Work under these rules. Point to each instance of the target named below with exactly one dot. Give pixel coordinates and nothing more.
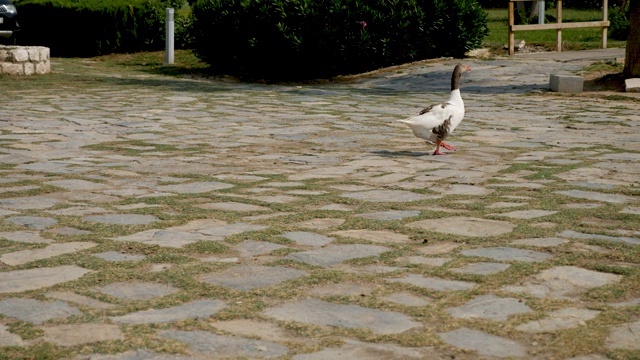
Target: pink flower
(363, 24)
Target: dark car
(9, 26)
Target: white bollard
(168, 58)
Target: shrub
(88, 28)
(620, 25)
(282, 39)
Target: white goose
(437, 121)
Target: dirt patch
(603, 81)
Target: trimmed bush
(88, 28)
(294, 39)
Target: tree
(632, 56)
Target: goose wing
(433, 116)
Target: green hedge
(88, 28)
(287, 39)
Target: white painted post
(168, 59)
(540, 11)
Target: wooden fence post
(559, 29)
(511, 23)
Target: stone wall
(24, 60)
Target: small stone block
(565, 83)
(632, 85)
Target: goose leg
(447, 146)
(437, 152)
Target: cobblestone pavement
(164, 218)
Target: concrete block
(632, 85)
(566, 83)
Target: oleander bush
(96, 27)
(295, 39)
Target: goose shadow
(400, 153)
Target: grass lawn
(573, 39)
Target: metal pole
(168, 59)
(540, 11)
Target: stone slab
(335, 207)
(27, 203)
(119, 256)
(223, 231)
(194, 187)
(377, 236)
(9, 339)
(489, 307)
(465, 226)
(541, 242)
(206, 343)
(342, 289)
(33, 222)
(319, 312)
(508, 254)
(35, 311)
(249, 277)
(321, 223)
(122, 219)
(427, 261)
(597, 196)
(526, 214)
(433, 283)
(233, 206)
(390, 215)
(260, 330)
(559, 320)
(482, 268)
(388, 196)
(79, 299)
(28, 237)
(578, 235)
(438, 248)
(563, 282)
(407, 299)
(168, 238)
(625, 337)
(199, 309)
(137, 290)
(78, 334)
(32, 279)
(77, 185)
(357, 350)
(249, 248)
(142, 355)
(52, 250)
(484, 344)
(336, 254)
(307, 238)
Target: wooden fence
(604, 24)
